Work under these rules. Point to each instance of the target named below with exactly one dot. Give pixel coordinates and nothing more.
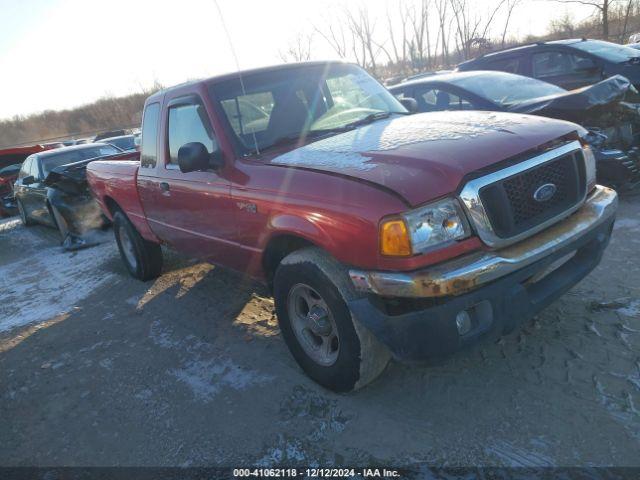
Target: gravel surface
(97, 368)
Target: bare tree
(602, 7)
(335, 36)
(562, 27)
(419, 44)
(362, 30)
(299, 49)
(627, 12)
(443, 30)
(510, 6)
(471, 27)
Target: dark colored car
(8, 175)
(381, 233)
(112, 133)
(126, 143)
(51, 190)
(9, 157)
(613, 124)
(569, 64)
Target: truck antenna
(235, 57)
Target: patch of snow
(9, 224)
(629, 223)
(47, 282)
(631, 310)
(206, 378)
(162, 337)
(145, 394)
(289, 451)
(512, 456)
(349, 150)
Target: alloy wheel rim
(127, 247)
(313, 324)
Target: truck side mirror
(409, 103)
(28, 180)
(193, 157)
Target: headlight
(423, 228)
(589, 166)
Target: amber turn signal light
(394, 238)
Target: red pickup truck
(381, 233)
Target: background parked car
(112, 133)
(600, 108)
(126, 143)
(51, 190)
(8, 175)
(567, 63)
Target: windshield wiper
(372, 117)
(315, 134)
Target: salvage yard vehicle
(613, 123)
(380, 233)
(126, 143)
(8, 175)
(51, 189)
(9, 158)
(569, 64)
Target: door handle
(166, 190)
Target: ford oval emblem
(545, 192)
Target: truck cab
(380, 233)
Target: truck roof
(233, 75)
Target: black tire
(360, 358)
(24, 218)
(142, 258)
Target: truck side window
(149, 142)
(189, 123)
(24, 169)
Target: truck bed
(114, 185)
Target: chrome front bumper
(471, 271)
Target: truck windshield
(505, 89)
(285, 105)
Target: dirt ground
(97, 368)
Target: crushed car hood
(425, 156)
(72, 177)
(573, 104)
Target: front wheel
(311, 291)
(142, 258)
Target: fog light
(463, 322)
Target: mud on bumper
(421, 324)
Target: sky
(57, 54)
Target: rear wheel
(24, 218)
(142, 258)
(311, 291)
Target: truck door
(189, 211)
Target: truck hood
(425, 156)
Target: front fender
(308, 227)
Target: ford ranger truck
(380, 233)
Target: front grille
(510, 204)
